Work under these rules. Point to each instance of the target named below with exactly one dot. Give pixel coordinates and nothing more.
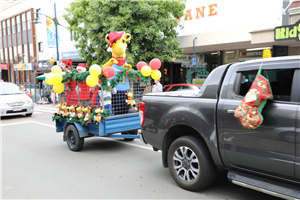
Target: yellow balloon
(52, 60)
(95, 70)
(92, 81)
(56, 69)
(146, 71)
(57, 78)
(58, 88)
(155, 74)
(49, 79)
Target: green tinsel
(134, 75)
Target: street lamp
(36, 21)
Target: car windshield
(10, 89)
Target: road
(37, 164)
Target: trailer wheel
(75, 143)
(190, 163)
(135, 132)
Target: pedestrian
(53, 96)
(157, 87)
(147, 89)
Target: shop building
(26, 48)
(219, 32)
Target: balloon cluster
(55, 79)
(152, 69)
(95, 70)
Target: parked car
(198, 132)
(13, 101)
(181, 87)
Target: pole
(56, 34)
(194, 46)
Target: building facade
(215, 32)
(25, 47)
(219, 32)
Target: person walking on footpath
(53, 96)
(157, 87)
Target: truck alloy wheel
(190, 163)
(75, 143)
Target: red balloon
(109, 72)
(155, 64)
(140, 65)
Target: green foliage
(151, 24)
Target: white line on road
(135, 145)
(45, 110)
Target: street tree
(152, 26)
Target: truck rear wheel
(190, 163)
(75, 143)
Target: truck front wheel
(75, 143)
(190, 163)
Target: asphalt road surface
(37, 164)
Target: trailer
(126, 126)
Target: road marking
(107, 138)
(49, 111)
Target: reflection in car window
(10, 89)
(175, 88)
(165, 88)
(280, 81)
(185, 88)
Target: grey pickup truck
(197, 131)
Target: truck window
(280, 81)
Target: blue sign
(193, 61)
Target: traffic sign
(193, 61)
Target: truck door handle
(230, 111)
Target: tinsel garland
(132, 74)
(105, 113)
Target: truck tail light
(142, 113)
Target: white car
(13, 101)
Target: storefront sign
(3, 66)
(251, 54)
(28, 66)
(184, 58)
(43, 65)
(290, 32)
(70, 55)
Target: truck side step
(270, 187)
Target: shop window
(28, 15)
(23, 22)
(3, 29)
(8, 27)
(31, 59)
(18, 24)
(12, 25)
(280, 81)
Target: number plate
(17, 109)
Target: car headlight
(3, 105)
(28, 101)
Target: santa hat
(81, 66)
(113, 36)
